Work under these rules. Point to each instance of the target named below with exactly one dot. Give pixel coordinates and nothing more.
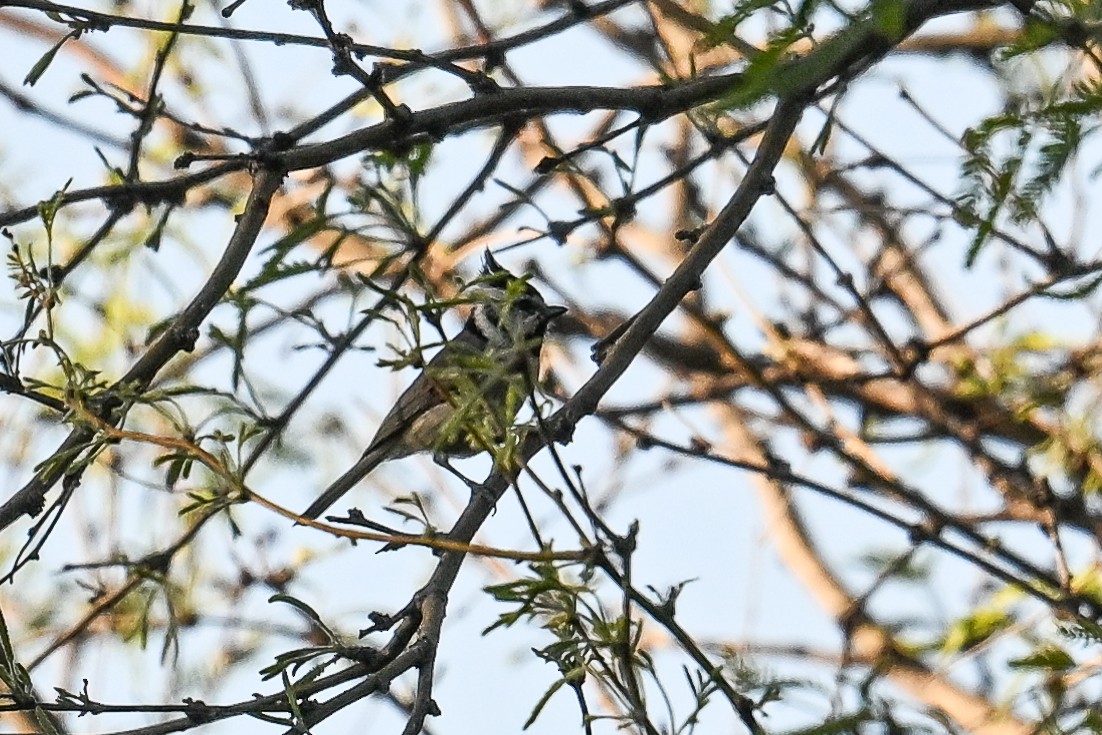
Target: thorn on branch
(561, 431)
(916, 351)
(625, 545)
(122, 199)
(483, 83)
(342, 66)
(230, 9)
(559, 230)
(379, 622)
(156, 564)
(198, 711)
(547, 164)
(927, 530)
(580, 9)
(185, 337)
(401, 115)
(601, 348)
(689, 236)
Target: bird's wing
(424, 392)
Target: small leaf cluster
(1014, 159)
(593, 645)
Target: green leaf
(309, 612)
(1074, 294)
(417, 160)
(47, 209)
(767, 73)
(555, 686)
(277, 267)
(844, 724)
(1049, 658)
(974, 629)
(724, 28)
(1034, 35)
(47, 58)
(1082, 630)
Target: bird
(468, 394)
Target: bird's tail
(345, 482)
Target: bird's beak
(554, 312)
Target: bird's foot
(478, 489)
(444, 461)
